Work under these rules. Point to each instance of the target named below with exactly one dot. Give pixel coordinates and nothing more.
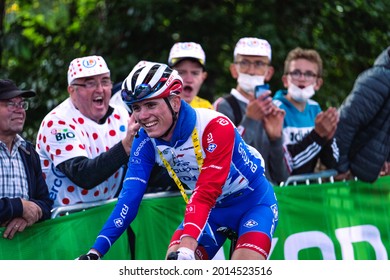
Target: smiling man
(202, 149)
(84, 143)
(24, 199)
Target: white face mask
(249, 82)
(301, 95)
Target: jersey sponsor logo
(135, 160)
(275, 211)
(211, 147)
(223, 121)
(136, 152)
(55, 186)
(210, 138)
(118, 222)
(250, 223)
(56, 171)
(251, 164)
(62, 134)
(134, 179)
(190, 209)
(254, 247)
(212, 166)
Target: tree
(39, 38)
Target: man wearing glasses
(257, 119)
(84, 143)
(24, 197)
(307, 131)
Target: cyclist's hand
(172, 256)
(91, 255)
(184, 253)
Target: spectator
(202, 148)
(363, 133)
(257, 119)
(24, 196)
(189, 59)
(308, 132)
(84, 143)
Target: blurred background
(39, 38)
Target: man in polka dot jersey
(84, 143)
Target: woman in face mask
(307, 131)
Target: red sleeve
(217, 142)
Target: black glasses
(94, 84)
(140, 92)
(308, 76)
(245, 64)
(12, 106)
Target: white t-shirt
(64, 134)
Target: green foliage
(40, 37)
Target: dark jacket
(37, 189)
(363, 133)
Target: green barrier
(329, 221)
(63, 238)
(333, 221)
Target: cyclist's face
(155, 116)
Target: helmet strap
(174, 117)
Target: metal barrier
(308, 178)
(293, 180)
(66, 210)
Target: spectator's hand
(132, 130)
(326, 123)
(385, 169)
(273, 123)
(15, 225)
(344, 176)
(32, 213)
(258, 108)
(92, 255)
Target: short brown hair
(308, 54)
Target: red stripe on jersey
(217, 143)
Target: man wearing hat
(84, 143)
(189, 59)
(24, 197)
(257, 119)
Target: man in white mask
(257, 119)
(307, 131)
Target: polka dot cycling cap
(253, 46)
(86, 67)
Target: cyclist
(201, 148)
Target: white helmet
(150, 80)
